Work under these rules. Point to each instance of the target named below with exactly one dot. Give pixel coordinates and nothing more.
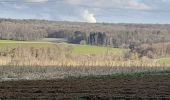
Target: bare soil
(103, 88)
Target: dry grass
(63, 56)
(60, 62)
(57, 72)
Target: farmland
(78, 72)
(77, 49)
(12, 44)
(80, 60)
(101, 88)
(72, 60)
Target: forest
(150, 40)
(115, 35)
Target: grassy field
(77, 49)
(20, 42)
(86, 49)
(12, 43)
(74, 54)
(32, 63)
(164, 60)
(60, 72)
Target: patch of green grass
(134, 74)
(13, 43)
(164, 60)
(88, 49)
(20, 42)
(1, 41)
(142, 74)
(77, 49)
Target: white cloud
(88, 17)
(35, 0)
(136, 5)
(164, 0)
(89, 10)
(125, 4)
(19, 1)
(19, 6)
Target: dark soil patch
(103, 88)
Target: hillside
(116, 35)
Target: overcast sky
(112, 11)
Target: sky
(91, 11)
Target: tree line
(105, 34)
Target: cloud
(88, 17)
(88, 10)
(19, 6)
(35, 1)
(164, 0)
(136, 5)
(18, 1)
(120, 4)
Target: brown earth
(104, 88)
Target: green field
(164, 60)
(77, 49)
(86, 49)
(12, 43)
(20, 42)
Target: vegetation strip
(135, 74)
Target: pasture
(38, 60)
(164, 60)
(88, 49)
(12, 44)
(72, 54)
(76, 48)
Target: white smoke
(88, 17)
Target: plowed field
(103, 88)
